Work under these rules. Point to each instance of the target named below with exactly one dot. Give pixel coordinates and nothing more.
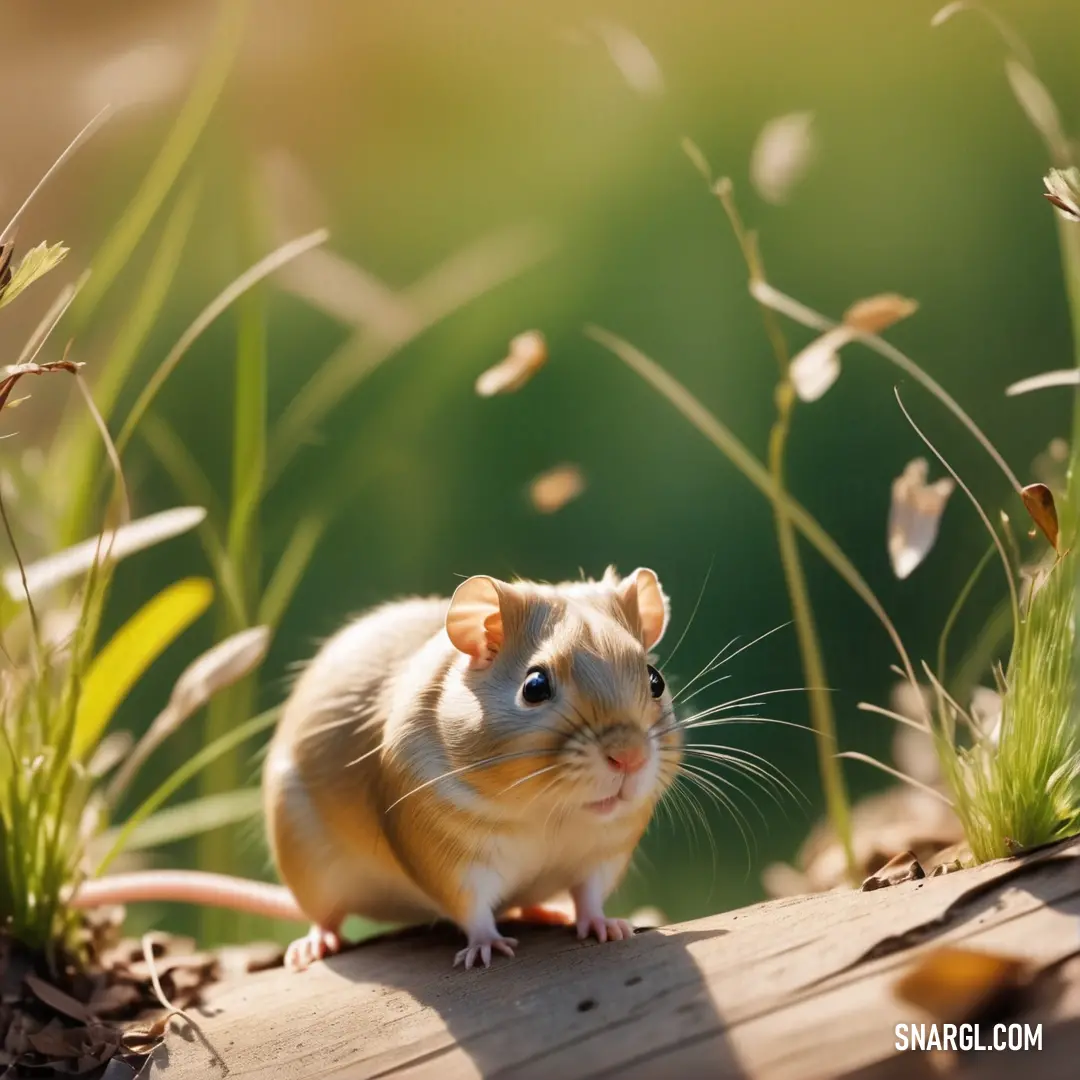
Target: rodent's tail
(190, 887)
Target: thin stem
(821, 712)
(954, 613)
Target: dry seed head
(632, 57)
(552, 490)
(877, 313)
(226, 663)
(782, 155)
(528, 354)
(914, 515)
(1063, 190)
(817, 367)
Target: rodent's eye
(656, 682)
(537, 686)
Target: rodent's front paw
(480, 945)
(604, 929)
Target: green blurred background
(423, 126)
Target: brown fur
(391, 702)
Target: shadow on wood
(799, 988)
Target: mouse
(460, 759)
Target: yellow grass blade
(132, 649)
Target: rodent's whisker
(756, 766)
(682, 800)
(496, 759)
(530, 776)
(705, 782)
(717, 662)
(745, 701)
(702, 720)
(742, 768)
(718, 778)
(709, 666)
(678, 699)
(693, 614)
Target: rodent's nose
(627, 759)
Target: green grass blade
(186, 473)
(958, 606)
(290, 568)
(175, 152)
(186, 772)
(78, 461)
(221, 303)
(249, 440)
(188, 819)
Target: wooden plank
(796, 989)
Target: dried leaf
(900, 868)
(135, 536)
(956, 985)
(1063, 190)
(782, 155)
(57, 999)
(528, 354)
(914, 515)
(35, 264)
(1039, 500)
(552, 490)
(1037, 103)
(7, 249)
(1066, 377)
(12, 373)
(817, 366)
(630, 55)
(877, 313)
(118, 1069)
(944, 868)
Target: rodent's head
(573, 716)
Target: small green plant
(59, 692)
(1013, 779)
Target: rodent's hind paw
(317, 944)
(481, 946)
(604, 929)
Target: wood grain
(795, 989)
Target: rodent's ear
(474, 621)
(644, 601)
